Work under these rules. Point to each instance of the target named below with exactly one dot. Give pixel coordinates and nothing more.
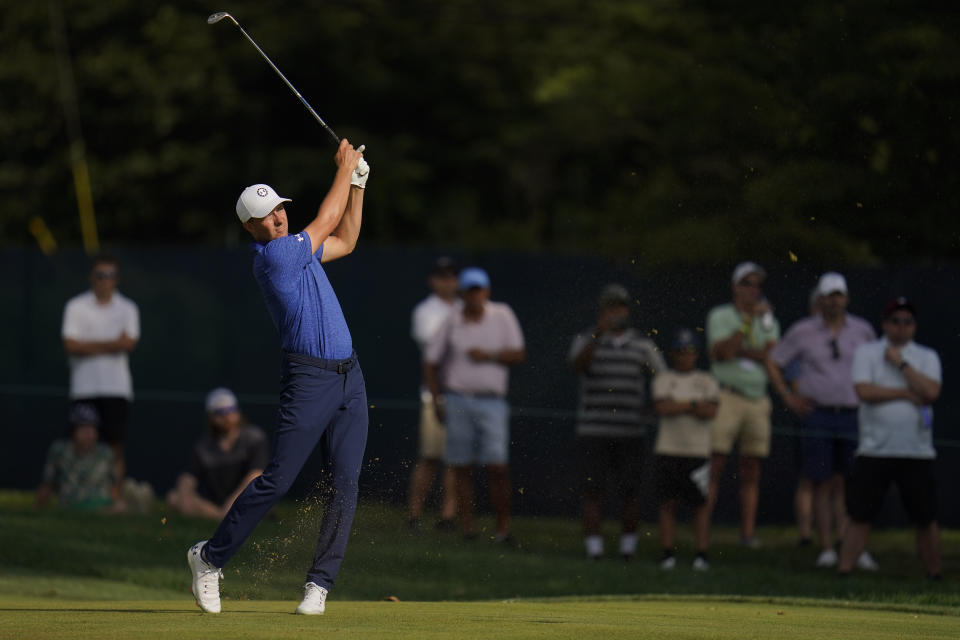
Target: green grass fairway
(564, 618)
(82, 575)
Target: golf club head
(218, 16)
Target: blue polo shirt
(300, 299)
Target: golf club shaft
(279, 73)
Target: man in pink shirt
(466, 369)
(826, 403)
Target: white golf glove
(360, 174)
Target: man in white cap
(223, 462)
(739, 336)
(323, 395)
(826, 403)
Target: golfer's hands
(360, 174)
(347, 157)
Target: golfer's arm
(343, 240)
(331, 210)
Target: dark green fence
(204, 325)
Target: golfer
(323, 397)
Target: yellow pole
(40, 231)
(81, 184)
(71, 111)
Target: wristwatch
(903, 365)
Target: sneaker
(314, 600)
(827, 558)
(206, 580)
(700, 564)
(669, 563)
(866, 562)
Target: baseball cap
(831, 282)
(685, 338)
(221, 399)
(744, 269)
(443, 266)
(614, 294)
(84, 413)
(474, 277)
(257, 201)
(899, 304)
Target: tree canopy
(654, 130)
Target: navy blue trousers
(321, 402)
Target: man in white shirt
(100, 329)
(426, 319)
(896, 380)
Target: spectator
(427, 317)
(739, 336)
(223, 462)
(466, 369)
(897, 380)
(803, 496)
(100, 329)
(616, 364)
(826, 403)
(79, 470)
(686, 400)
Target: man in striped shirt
(616, 364)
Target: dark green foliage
(668, 131)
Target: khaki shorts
(742, 420)
(433, 437)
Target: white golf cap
(831, 282)
(220, 399)
(746, 268)
(257, 201)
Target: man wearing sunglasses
(825, 402)
(897, 380)
(739, 337)
(101, 327)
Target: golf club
(220, 15)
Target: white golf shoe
(827, 558)
(314, 600)
(866, 562)
(206, 580)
